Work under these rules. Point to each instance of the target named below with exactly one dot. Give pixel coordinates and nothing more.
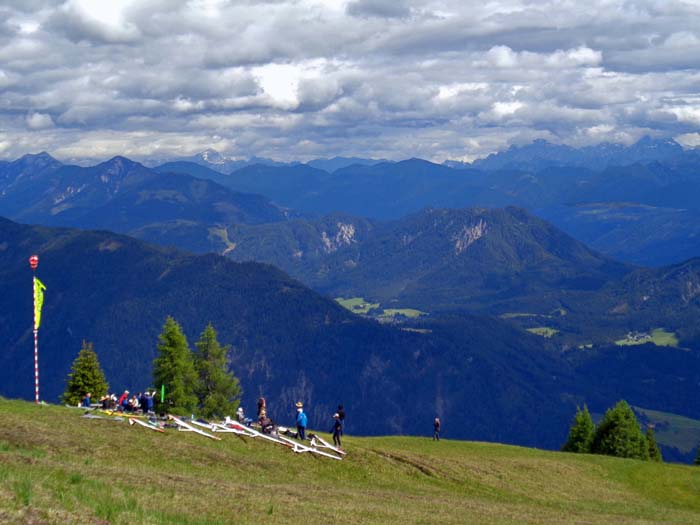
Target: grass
(673, 430)
(516, 315)
(356, 304)
(137, 476)
(407, 312)
(658, 336)
(544, 331)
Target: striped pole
(33, 263)
(36, 366)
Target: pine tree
(174, 368)
(218, 388)
(654, 451)
(619, 434)
(85, 376)
(580, 433)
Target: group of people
(141, 403)
(267, 425)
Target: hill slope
(92, 471)
(291, 343)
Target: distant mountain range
(220, 163)
(542, 154)
(496, 262)
(559, 183)
(125, 196)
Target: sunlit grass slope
(56, 467)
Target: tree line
(192, 382)
(618, 434)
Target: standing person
(149, 402)
(262, 406)
(436, 429)
(301, 421)
(341, 417)
(337, 430)
(87, 400)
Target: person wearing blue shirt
(301, 421)
(87, 400)
(149, 401)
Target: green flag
(162, 393)
(38, 301)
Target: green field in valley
(658, 336)
(356, 304)
(359, 305)
(544, 331)
(673, 430)
(406, 312)
(59, 468)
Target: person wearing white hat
(301, 421)
(337, 430)
(240, 417)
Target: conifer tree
(654, 451)
(218, 389)
(580, 433)
(85, 376)
(619, 434)
(174, 368)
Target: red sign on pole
(34, 262)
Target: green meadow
(544, 331)
(658, 336)
(59, 468)
(356, 304)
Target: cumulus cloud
(378, 8)
(292, 79)
(39, 121)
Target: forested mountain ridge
(125, 196)
(438, 258)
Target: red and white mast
(34, 263)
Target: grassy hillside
(56, 467)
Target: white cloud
(39, 121)
(688, 114)
(691, 140)
(106, 21)
(281, 78)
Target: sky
(303, 79)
